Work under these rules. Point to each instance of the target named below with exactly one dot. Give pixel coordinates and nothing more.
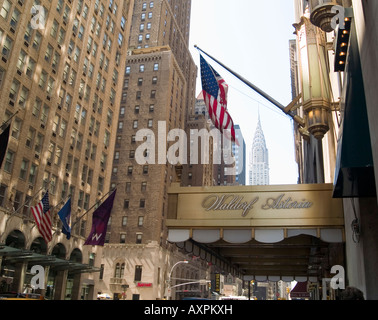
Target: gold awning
(276, 231)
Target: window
(30, 138)
(135, 124)
(142, 203)
(122, 238)
(21, 61)
(38, 38)
(140, 221)
(141, 68)
(24, 169)
(32, 173)
(3, 190)
(31, 67)
(138, 273)
(42, 79)
(138, 238)
(156, 67)
(16, 128)
(9, 161)
(7, 47)
(124, 221)
(123, 23)
(15, 18)
(5, 9)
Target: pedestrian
(352, 293)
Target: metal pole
(77, 220)
(170, 275)
(251, 85)
(5, 124)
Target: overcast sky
(252, 38)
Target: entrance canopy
(13, 256)
(265, 231)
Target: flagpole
(61, 200)
(77, 220)
(258, 90)
(27, 201)
(23, 205)
(4, 125)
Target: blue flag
(65, 215)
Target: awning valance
(235, 236)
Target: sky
(251, 37)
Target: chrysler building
(259, 160)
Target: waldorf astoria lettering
(228, 202)
(285, 203)
(232, 202)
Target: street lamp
(170, 275)
(316, 94)
(321, 13)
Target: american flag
(214, 90)
(42, 217)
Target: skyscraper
(158, 92)
(259, 159)
(61, 69)
(240, 155)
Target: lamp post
(169, 293)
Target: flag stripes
(214, 90)
(42, 216)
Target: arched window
(122, 270)
(117, 272)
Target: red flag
(42, 216)
(214, 90)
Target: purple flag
(100, 222)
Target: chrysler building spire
(259, 160)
